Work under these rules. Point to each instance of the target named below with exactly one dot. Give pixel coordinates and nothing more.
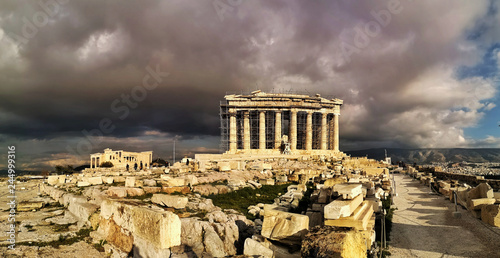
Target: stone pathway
(424, 226)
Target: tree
(68, 169)
(106, 164)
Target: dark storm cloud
(399, 86)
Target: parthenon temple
(275, 123)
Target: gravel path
(424, 226)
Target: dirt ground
(424, 226)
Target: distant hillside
(426, 156)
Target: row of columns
(334, 135)
(94, 162)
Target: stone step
(358, 220)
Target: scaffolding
(224, 126)
(239, 129)
(254, 129)
(316, 131)
(301, 130)
(270, 129)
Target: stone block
(284, 226)
(358, 220)
(95, 180)
(175, 189)
(268, 181)
(342, 207)
(53, 180)
(476, 204)
(130, 182)
(223, 166)
(82, 184)
(133, 191)
(152, 189)
(108, 180)
(483, 190)
(176, 182)
(255, 248)
(161, 229)
(348, 191)
(491, 214)
(333, 242)
(29, 206)
(324, 195)
(174, 201)
(62, 179)
(120, 192)
(497, 197)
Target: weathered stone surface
(334, 181)
(162, 229)
(29, 206)
(268, 181)
(132, 191)
(192, 234)
(255, 248)
(152, 189)
(130, 182)
(342, 208)
(174, 201)
(95, 180)
(476, 204)
(149, 182)
(82, 184)
(114, 234)
(120, 192)
(206, 189)
(175, 189)
(283, 226)
(491, 214)
(81, 208)
(62, 179)
(483, 190)
(108, 180)
(53, 180)
(348, 191)
(326, 242)
(359, 219)
(223, 166)
(176, 182)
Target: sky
(80, 76)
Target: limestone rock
(342, 208)
(173, 201)
(95, 180)
(348, 191)
(130, 182)
(491, 214)
(119, 192)
(326, 242)
(283, 226)
(161, 229)
(152, 189)
(135, 191)
(53, 180)
(149, 182)
(255, 248)
(82, 184)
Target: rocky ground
(424, 226)
(42, 226)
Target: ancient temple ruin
(275, 123)
(121, 159)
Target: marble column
(324, 129)
(293, 129)
(232, 132)
(277, 131)
(309, 132)
(246, 130)
(262, 130)
(336, 132)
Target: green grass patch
(240, 200)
